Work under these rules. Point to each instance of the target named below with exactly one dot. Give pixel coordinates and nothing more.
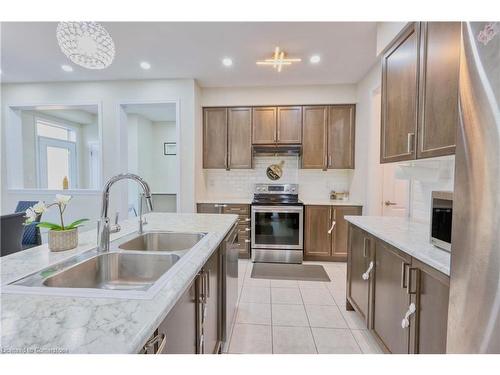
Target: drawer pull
(366, 275)
(247, 229)
(405, 323)
(247, 241)
(331, 228)
(247, 219)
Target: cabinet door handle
(161, 338)
(405, 323)
(410, 286)
(247, 229)
(201, 296)
(410, 142)
(247, 241)
(202, 342)
(366, 275)
(330, 161)
(207, 284)
(247, 219)
(365, 247)
(331, 228)
(404, 266)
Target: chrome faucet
(104, 228)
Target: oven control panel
(276, 189)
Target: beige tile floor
(303, 317)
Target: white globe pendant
(87, 44)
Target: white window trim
(43, 143)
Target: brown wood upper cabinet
(340, 132)
(314, 145)
(400, 97)
(420, 92)
(227, 138)
(264, 125)
(281, 125)
(439, 56)
(325, 232)
(215, 138)
(328, 137)
(239, 129)
(289, 128)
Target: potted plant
(61, 236)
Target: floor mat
(304, 272)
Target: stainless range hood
(277, 149)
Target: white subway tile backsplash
(239, 183)
(421, 189)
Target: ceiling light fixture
(145, 65)
(226, 61)
(67, 68)
(87, 44)
(315, 59)
(278, 60)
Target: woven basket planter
(60, 240)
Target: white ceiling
(153, 112)
(194, 50)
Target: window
(56, 155)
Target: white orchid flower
(63, 199)
(39, 207)
(30, 216)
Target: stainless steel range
(277, 224)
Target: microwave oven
(441, 217)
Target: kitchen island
(46, 323)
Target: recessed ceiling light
(315, 59)
(145, 65)
(226, 61)
(67, 68)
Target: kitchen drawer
(242, 225)
(237, 209)
(244, 220)
(244, 246)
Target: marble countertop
(226, 200)
(330, 202)
(306, 201)
(409, 236)
(45, 323)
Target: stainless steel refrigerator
(474, 312)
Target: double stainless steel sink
(132, 264)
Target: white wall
(110, 94)
(429, 175)
(282, 95)
(386, 32)
(367, 178)
(165, 180)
